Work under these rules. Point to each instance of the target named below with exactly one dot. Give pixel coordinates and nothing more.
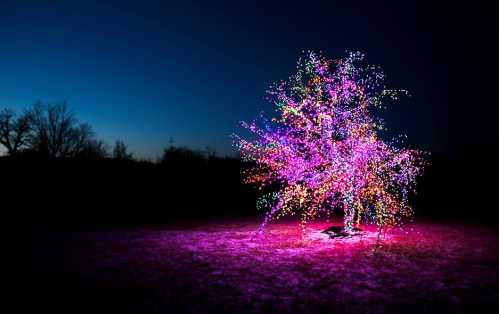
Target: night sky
(148, 71)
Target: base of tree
(341, 232)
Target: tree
(178, 155)
(94, 149)
(323, 149)
(120, 151)
(14, 131)
(56, 133)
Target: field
(227, 267)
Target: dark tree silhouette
(56, 132)
(120, 151)
(94, 149)
(14, 130)
(174, 155)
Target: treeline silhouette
(50, 131)
(56, 173)
(94, 192)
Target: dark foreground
(225, 267)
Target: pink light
(323, 149)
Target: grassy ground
(226, 267)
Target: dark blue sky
(148, 71)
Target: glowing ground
(225, 267)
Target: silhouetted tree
(182, 155)
(210, 152)
(14, 130)
(94, 149)
(120, 151)
(56, 132)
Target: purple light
(323, 147)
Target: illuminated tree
(323, 149)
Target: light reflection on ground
(227, 267)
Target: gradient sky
(148, 71)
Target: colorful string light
(323, 149)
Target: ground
(227, 267)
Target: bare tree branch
(14, 130)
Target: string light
(323, 149)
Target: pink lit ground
(224, 267)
